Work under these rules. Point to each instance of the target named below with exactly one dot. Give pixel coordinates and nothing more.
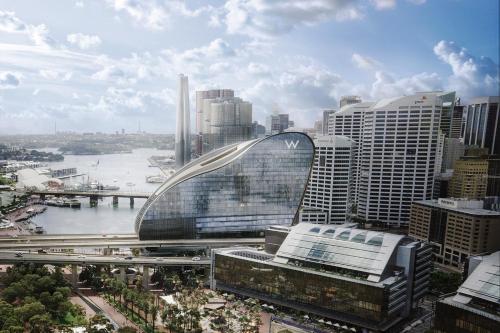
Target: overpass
(67, 259)
(93, 195)
(113, 243)
(121, 262)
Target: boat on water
(109, 187)
(71, 203)
(156, 179)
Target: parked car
(19, 254)
(128, 258)
(196, 259)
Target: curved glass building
(238, 190)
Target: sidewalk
(113, 313)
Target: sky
(104, 65)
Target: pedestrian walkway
(116, 316)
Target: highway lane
(66, 237)
(12, 258)
(132, 243)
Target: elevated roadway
(113, 243)
(13, 258)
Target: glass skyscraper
(238, 190)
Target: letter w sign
(291, 144)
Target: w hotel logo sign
(292, 144)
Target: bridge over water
(94, 196)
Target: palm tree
(154, 314)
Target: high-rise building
(237, 190)
(456, 228)
(183, 133)
(475, 306)
(221, 119)
(326, 117)
(482, 124)
(398, 156)
(258, 130)
(277, 123)
(454, 149)
(330, 181)
(469, 179)
(346, 100)
(348, 122)
(364, 281)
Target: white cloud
(39, 34)
(471, 75)
(267, 18)
(9, 80)
(383, 4)
(155, 14)
(51, 74)
(386, 85)
(390, 4)
(83, 41)
(365, 62)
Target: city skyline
(122, 68)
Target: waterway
(121, 170)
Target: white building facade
(327, 196)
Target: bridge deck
(94, 194)
(125, 243)
(11, 258)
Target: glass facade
(261, 186)
(320, 293)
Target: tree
(126, 329)
(40, 324)
(99, 324)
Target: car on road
(128, 258)
(159, 259)
(42, 252)
(19, 254)
(195, 258)
(81, 256)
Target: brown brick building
(455, 228)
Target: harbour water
(128, 171)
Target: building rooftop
(469, 211)
(484, 282)
(336, 246)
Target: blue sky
(103, 65)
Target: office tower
(457, 121)
(454, 149)
(238, 190)
(258, 130)
(476, 177)
(183, 133)
(203, 115)
(222, 119)
(365, 280)
(330, 181)
(318, 127)
(475, 306)
(482, 124)
(457, 228)
(398, 156)
(231, 122)
(447, 115)
(291, 123)
(284, 120)
(469, 179)
(326, 117)
(349, 122)
(346, 100)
